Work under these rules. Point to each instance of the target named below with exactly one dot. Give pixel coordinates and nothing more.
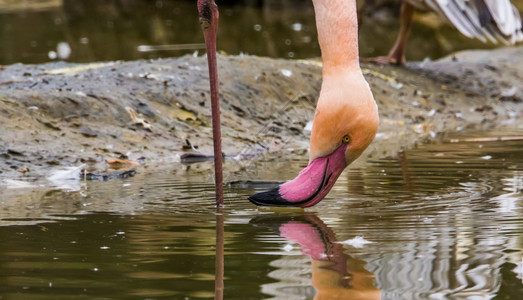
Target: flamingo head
(345, 123)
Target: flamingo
(346, 118)
(492, 20)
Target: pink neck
(337, 25)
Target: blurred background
(37, 31)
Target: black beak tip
(270, 198)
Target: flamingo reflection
(335, 275)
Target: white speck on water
(288, 42)
(286, 72)
(84, 40)
(126, 184)
(288, 248)
(257, 27)
(120, 232)
(95, 269)
(64, 50)
(459, 162)
(105, 247)
(297, 27)
(357, 242)
(486, 157)
(52, 54)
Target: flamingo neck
(337, 25)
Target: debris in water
(67, 179)
(357, 242)
(190, 158)
(16, 184)
(104, 176)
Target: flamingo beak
(310, 186)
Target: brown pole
(208, 11)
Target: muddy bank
(60, 115)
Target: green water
(444, 221)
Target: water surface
(443, 221)
(89, 31)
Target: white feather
(464, 15)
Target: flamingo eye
(346, 139)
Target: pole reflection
(335, 275)
(219, 264)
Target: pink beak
(310, 186)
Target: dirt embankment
(59, 115)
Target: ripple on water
(439, 229)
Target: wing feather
(493, 20)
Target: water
(37, 31)
(442, 221)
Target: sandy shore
(62, 115)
